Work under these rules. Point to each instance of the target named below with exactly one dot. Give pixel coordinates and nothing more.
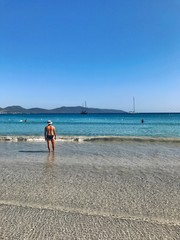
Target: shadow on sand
(28, 151)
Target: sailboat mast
(134, 105)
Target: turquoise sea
(155, 125)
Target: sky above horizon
(64, 52)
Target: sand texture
(90, 191)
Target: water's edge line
(90, 139)
(152, 220)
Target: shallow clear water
(104, 191)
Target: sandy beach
(126, 190)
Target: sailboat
(134, 109)
(84, 109)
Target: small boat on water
(84, 109)
(134, 110)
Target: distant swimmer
(142, 120)
(23, 120)
(50, 135)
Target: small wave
(132, 138)
(20, 139)
(90, 139)
(87, 212)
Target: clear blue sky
(63, 52)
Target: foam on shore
(89, 139)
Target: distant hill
(13, 109)
(77, 109)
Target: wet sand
(90, 191)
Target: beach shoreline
(109, 139)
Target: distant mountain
(37, 110)
(77, 109)
(14, 109)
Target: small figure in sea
(50, 135)
(142, 120)
(25, 120)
